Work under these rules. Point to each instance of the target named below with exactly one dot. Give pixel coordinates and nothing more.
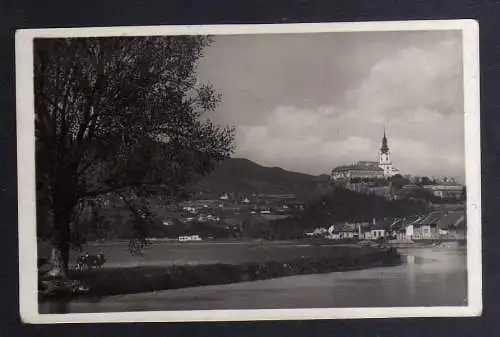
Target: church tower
(384, 161)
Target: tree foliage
(339, 205)
(398, 181)
(120, 115)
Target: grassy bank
(114, 281)
(206, 252)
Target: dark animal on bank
(87, 261)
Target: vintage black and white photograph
(249, 172)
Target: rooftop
(432, 218)
(451, 220)
(384, 223)
(359, 166)
(454, 187)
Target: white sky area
(310, 102)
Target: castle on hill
(368, 170)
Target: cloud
(422, 141)
(412, 79)
(302, 138)
(311, 103)
(417, 95)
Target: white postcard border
(26, 175)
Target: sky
(310, 102)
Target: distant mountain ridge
(242, 176)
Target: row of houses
(433, 225)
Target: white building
(190, 209)
(384, 161)
(186, 238)
(364, 170)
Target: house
(318, 232)
(449, 192)
(427, 227)
(379, 229)
(347, 233)
(331, 229)
(211, 217)
(451, 225)
(187, 238)
(334, 236)
(282, 209)
(395, 229)
(190, 209)
(460, 230)
(343, 232)
(167, 223)
(403, 228)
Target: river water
(429, 277)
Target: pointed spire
(384, 148)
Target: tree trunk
(60, 240)
(57, 264)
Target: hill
(242, 176)
(339, 205)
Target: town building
(360, 170)
(452, 225)
(378, 230)
(449, 192)
(317, 232)
(345, 231)
(403, 228)
(425, 228)
(186, 238)
(367, 170)
(434, 225)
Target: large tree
(120, 115)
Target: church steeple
(384, 148)
(384, 161)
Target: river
(429, 277)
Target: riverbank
(128, 280)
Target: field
(165, 253)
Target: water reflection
(410, 276)
(429, 277)
(410, 259)
(60, 307)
